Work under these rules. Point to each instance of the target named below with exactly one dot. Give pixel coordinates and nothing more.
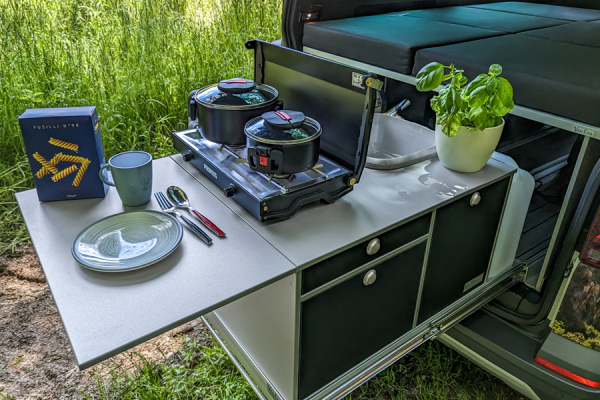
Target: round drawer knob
(370, 277)
(475, 199)
(373, 247)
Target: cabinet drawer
(329, 269)
(351, 321)
(461, 246)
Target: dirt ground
(36, 361)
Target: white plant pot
(468, 151)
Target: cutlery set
(178, 199)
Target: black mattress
(487, 19)
(549, 53)
(579, 33)
(543, 10)
(388, 41)
(557, 78)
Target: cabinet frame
(427, 330)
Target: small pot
(223, 109)
(283, 142)
(469, 150)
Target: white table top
(107, 313)
(381, 200)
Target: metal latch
(310, 16)
(372, 82)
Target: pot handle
(192, 106)
(277, 156)
(254, 160)
(278, 105)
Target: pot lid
(284, 126)
(236, 93)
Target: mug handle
(103, 177)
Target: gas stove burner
(281, 176)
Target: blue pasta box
(65, 152)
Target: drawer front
(338, 265)
(349, 322)
(461, 247)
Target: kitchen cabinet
(288, 300)
(461, 246)
(349, 322)
(356, 306)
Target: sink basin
(397, 143)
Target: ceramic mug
(132, 176)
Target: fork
(168, 207)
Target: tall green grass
(135, 60)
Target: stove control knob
(229, 191)
(370, 277)
(187, 156)
(373, 247)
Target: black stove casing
(341, 98)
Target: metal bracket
(372, 82)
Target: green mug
(132, 176)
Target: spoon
(180, 199)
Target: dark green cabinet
(351, 321)
(461, 246)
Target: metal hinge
(432, 334)
(522, 277)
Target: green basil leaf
(478, 117)
(430, 77)
(497, 107)
(505, 90)
(452, 126)
(481, 80)
(458, 104)
(495, 69)
(491, 85)
(478, 97)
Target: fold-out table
(107, 313)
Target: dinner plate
(127, 241)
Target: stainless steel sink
(397, 143)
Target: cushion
(543, 10)
(388, 41)
(487, 19)
(557, 78)
(580, 33)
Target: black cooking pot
(282, 142)
(223, 109)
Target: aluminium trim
(511, 380)
(520, 111)
(234, 350)
(424, 270)
(364, 371)
(487, 272)
(297, 333)
(363, 268)
(563, 210)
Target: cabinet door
(461, 247)
(351, 321)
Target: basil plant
(480, 104)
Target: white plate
(127, 241)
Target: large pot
(469, 150)
(283, 142)
(223, 109)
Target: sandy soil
(36, 361)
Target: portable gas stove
(341, 98)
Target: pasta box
(65, 152)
